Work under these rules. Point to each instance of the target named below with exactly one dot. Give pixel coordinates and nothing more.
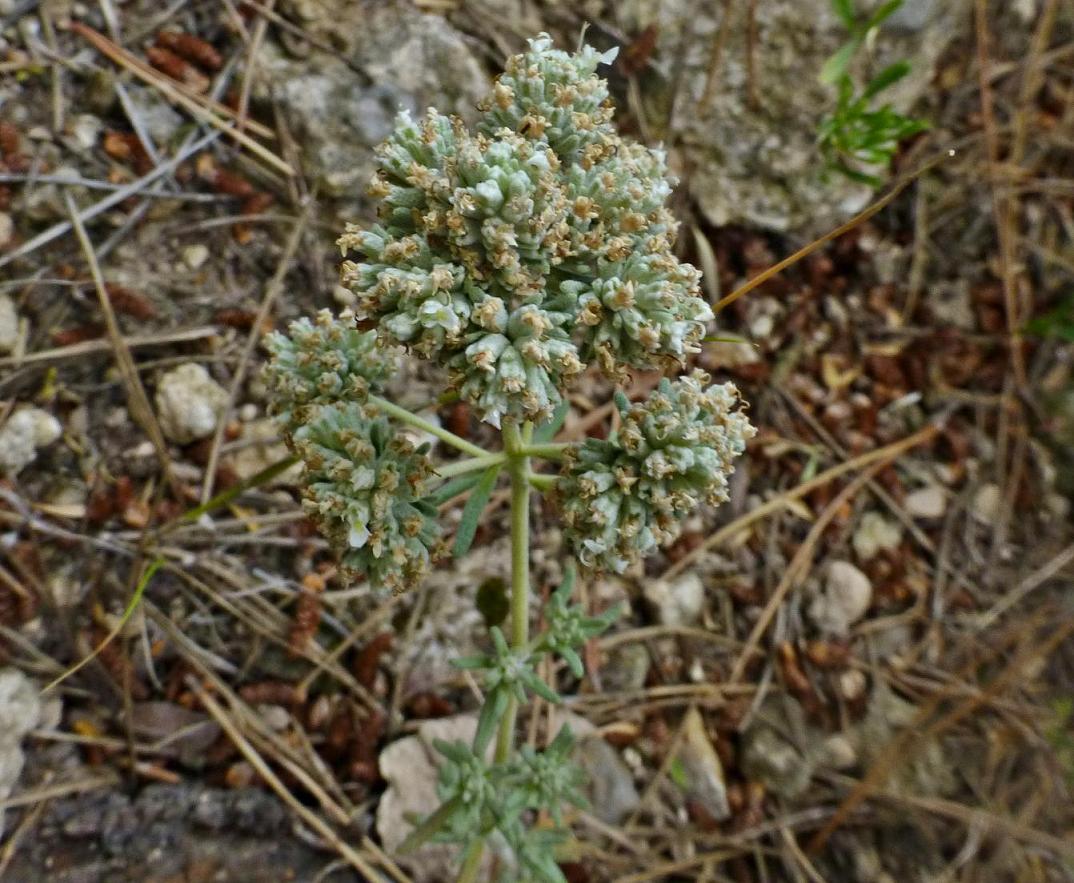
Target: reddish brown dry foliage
(307, 613)
(272, 693)
(365, 665)
(127, 147)
(191, 48)
(129, 302)
(176, 67)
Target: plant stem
(471, 863)
(543, 481)
(473, 464)
(518, 464)
(551, 451)
(405, 416)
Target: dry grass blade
(859, 218)
(144, 72)
(141, 410)
(916, 732)
(89, 347)
(214, 115)
(886, 453)
(799, 565)
(132, 189)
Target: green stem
(543, 481)
(550, 451)
(471, 864)
(405, 416)
(518, 464)
(473, 464)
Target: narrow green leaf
(845, 10)
(430, 827)
(489, 719)
(881, 14)
(453, 488)
(223, 498)
(835, 68)
(887, 77)
(471, 512)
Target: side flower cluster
(623, 497)
(517, 254)
(365, 485)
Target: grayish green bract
(365, 485)
(517, 254)
(623, 497)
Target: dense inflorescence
(517, 254)
(365, 488)
(623, 497)
(322, 363)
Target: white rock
(678, 602)
(926, 502)
(194, 256)
(20, 704)
(20, 711)
(26, 431)
(987, 502)
(7, 229)
(9, 319)
(189, 403)
(86, 129)
(838, 752)
(844, 600)
(875, 533)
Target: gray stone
(844, 599)
(9, 322)
(25, 433)
(756, 162)
(679, 601)
(702, 768)
(929, 501)
(20, 711)
(875, 532)
(393, 58)
(189, 403)
(611, 786)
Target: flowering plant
(515, 256)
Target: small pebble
(189, 403)
(987, 502)
(844, 600)
(927, 502)
(195, 256)
(7, 229)
(875, 533)
(9, 324)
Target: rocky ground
(860, 669)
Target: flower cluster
(623, 497)
(365, 487)
(322, 363)
(518, 253)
